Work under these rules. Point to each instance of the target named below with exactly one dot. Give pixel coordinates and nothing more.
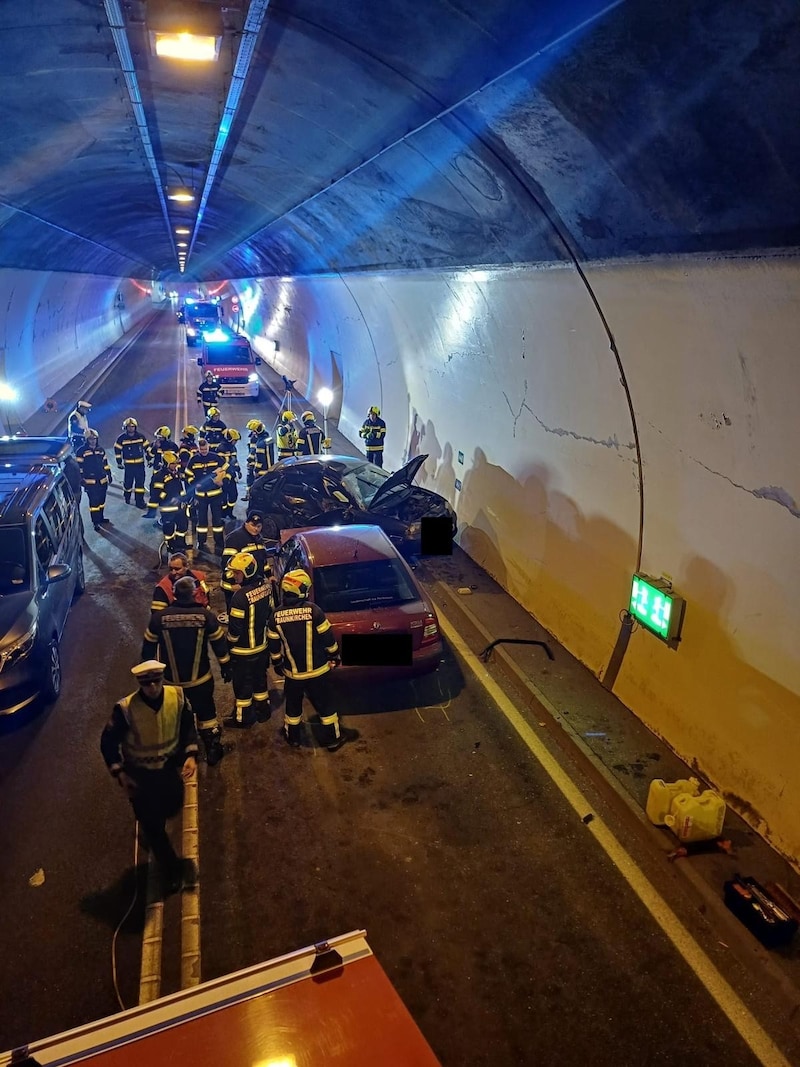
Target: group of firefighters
(274, 631)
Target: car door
(289, 558)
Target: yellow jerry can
(661, 795)
(697, 818)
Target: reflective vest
(152, 736)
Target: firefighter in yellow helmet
(249, 613)
(188, 444)
(208, 391)
(304, 650)
(309, 440)
(373, 431)
(162, 442)
(227, 449)
(286, 436)
(213, 428)
(95, 476)
(131, 449)
(169, 496)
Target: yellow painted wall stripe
(745, 1023)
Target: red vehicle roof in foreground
(329, 545)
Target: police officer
(208, 391)
(287, 436)
(213, 428)
(168, 494)
(162, 442)
(95, 477)
(245, 538)
(373, 431)
(250, 609)
(303, 650)
(164, 591)
(205, 472)
(309, 440)
(78, 423)
(180, 635)
(131, 449)
(227, 449)
(150, 746)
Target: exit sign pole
(657, 608)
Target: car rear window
(352, 586)
(13, 560)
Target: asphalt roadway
(520, 916)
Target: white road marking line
(152, 937)
(419, 716)
(190, 898)
(746, 1025)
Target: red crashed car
(384, 621)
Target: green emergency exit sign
(657, 608)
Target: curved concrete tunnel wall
(513, 368)
(54, 324)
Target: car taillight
(430, 631)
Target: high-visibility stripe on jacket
(94, 465)
(152, 736)
(200, 471)
(181, 635)
(164, 592)
(249, 613)
(131, 450)
(373, 431)
(309, 441)
(300, 636)
(241, 540)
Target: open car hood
(402, 478)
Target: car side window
(57, 515)
(45, 549)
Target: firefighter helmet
(210, 374)
(169, 458)
(92, 433)
(256, 427)
(212, 413)
(244, 562)
(163, 431)
(190, 431)
(296, 583)
(374, 411)
(129, 422)
(231, 435)
(287, 416)
(308, 417)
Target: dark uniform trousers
(202, 505)
(97, 499)
(158, 797)
(320, 692)
(250, 686)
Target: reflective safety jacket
(301, 639)
(212, 431)
(138, 736)
(164, 592)
(179, 636)
(263, 454)
(287, 441)
(200, 471)
(94, 465)
(186, 449)
(373, 431)
(208, 392)
(249, 612)
(241, 540)
(167, 491)
(309, 441)
(77, 423)
(131, 449)
(227, 450)
(159, 446)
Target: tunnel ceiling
(397, 134)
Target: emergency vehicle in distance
(329, 1003)
(200, 315)
(232, 361)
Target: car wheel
(80, 581)
(51, 676)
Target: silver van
(41, 566)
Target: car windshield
(14, 576)
(352, 586)
(364, 481)
(219, 355)
(202, 311)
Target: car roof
(20, 490)
(32, 451)
(329, 545)
(336, 462)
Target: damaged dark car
(339, 490)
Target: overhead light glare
(182, 229)
(182, 244)
(192, 47)
(181, 194)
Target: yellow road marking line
(190, 898)
(152, 938)
(746, 1025)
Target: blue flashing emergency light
(215, 335)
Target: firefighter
(150, 746)
(227, 449)
(287, 436)
(180, 635)
(309, 440)
(245, 538)
(205, 472)
(263, 451)
(162, 442)
(168, 494)
(213, 428)
(304, 650)
(95, 477)
(188, 444)
(131, 449)
(164, 591)
(251, 605)
(373, 431)
(78, 423)
(208, 391)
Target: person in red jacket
(164, 592)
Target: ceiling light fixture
(182, 244)
(184, 30)
(187, 46)
(180, 193)
(182, 230)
